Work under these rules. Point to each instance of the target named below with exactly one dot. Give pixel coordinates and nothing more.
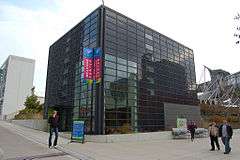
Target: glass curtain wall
(85, 94)
(143, 69)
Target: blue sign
(78, 131)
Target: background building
(222, 89)
(233, 80)
(41, 99)
(16, 81)
(148, 79)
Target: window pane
(109, 100)
(132, 89)
(83, 102)
(132, 76)
(132, 96)
(132, 64)
(132, 83)
(132, 70)
(123, 19)
(148, 36)
(121, 67)
(110, 64)
(109, 78)
(110, 19)
(122, 101)
(121, 61)
(149, 68)
(84, 88)
(109, 71)
(110, 57)
(150, 80)
(132, 102)
(149, 47)
(122, 74)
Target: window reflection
(121, 67)
(147, 69)
(121, 74)
(121, 61)
(110, 64)
(110, 57)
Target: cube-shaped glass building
(148, 79)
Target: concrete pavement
(146, 150)
(157, 150)
(14, 145)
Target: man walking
(53, 121)
(213, 132)
(192, 127)
(226, 132)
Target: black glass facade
(142, 69)
(64, 89)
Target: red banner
(88, 63)
(97, 68)
(92, 59)
(88, 66)
(97, 64)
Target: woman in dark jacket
(192, 127)
(53, 121)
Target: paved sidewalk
(148, 150)
(157, 150)
(17, 146)
(41, 138)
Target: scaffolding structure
(222, 89)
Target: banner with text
(92, 59)
(97, 75)
(88, 63)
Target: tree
(32, 106)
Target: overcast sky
(29, 27)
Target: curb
(1, 154)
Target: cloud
(205, 26)
(29, 33)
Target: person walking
(192, 127)
(226, 132)
(53, 121)
(213, 133)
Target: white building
(16, 81)
(40, 99)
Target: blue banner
(97, 53)
(87, 53)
